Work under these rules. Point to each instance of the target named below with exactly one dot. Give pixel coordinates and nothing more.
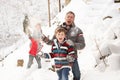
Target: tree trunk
(49, 17)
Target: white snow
(102, 38)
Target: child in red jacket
(33, 53)
(35, 46)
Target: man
(75, 34)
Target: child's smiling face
(60, 36)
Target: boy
(62, 53)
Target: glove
(46, 55)
(70, 42)
(45, 39)
(70, 58)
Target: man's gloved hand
(45, 39)
(70, 42)
(70, 58)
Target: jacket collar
(67, 27)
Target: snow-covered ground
(100, 22)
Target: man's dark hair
(70, 12)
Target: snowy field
(102, 36)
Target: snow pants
(30, 62)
